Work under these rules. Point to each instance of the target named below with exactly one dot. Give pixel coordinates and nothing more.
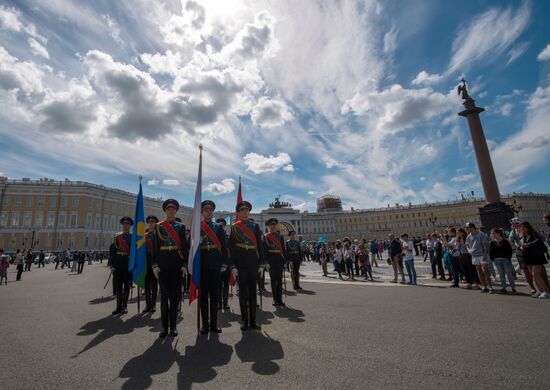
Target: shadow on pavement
(226, 317)
(261, 350)
(293, 315)
(307, 292)
(97, 301)
(110, 326)
(196, 365)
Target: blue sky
(301, 99)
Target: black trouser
(80, 268)
(276, 276)
(41, 263)
(248, 279)
(19, 271)
(261, 282)
(437, 264)
(123, 283)
(470, 273)
(209, 294)
(28, 266)
(356, 267)
(295, 274)
(169, 281)
(224, 288)
(151, 289)
(56, 263)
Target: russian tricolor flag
(195, 252)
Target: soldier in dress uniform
(119, 257)
(275, 255)
(247, 255)
(294, 256)
(169, 264)
(213, 261)
(151, 282)
(223, 301)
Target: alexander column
(495, 213)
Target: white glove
(112, 269)
(184, 270)
(156, 272)
(267, 267)
(223, 268)
(235, 273)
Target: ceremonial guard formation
(247, 256)
(119, 257)
(294, 256)
(151, 282)
(170, 264)
(275, 255)
(213, 261)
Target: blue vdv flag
(138, 248)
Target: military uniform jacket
(243, 251)
(294, 251)
(274, 254)
(119, 257)
(168, 256)
(211, 257)
(150, 241)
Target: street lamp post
(433, 220)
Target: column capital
(471, 108)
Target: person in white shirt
(408, 247)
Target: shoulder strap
(211, 235)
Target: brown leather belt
(169, 248)
(208, 247)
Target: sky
(299, 98)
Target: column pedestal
(496, 215)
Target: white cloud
(544, 55)
(390, 40)
(257, 163)
(168, 63)
(397, 108)
(425, 78)
(506, 109)
(170, 182)
(270, 113)
(525, 149)
(517, 51)
(153, 182)
(463, 178)
(226, 186)
(428, 150)
(9, 17)
(38, 49)
(499, 29)
(288, 168)
(23, 76)
(311, 192)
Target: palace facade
(56, 215)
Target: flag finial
(140, 178)
(200, 147)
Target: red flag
(232, 280)
(239, 199)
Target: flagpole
(199, 284)
(138, 303)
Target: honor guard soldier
(119, 257)
(169, 264)
(294, 256)
(213, 261)
(247, 256)
(223, 300)
(151, 282)
(275, 255)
